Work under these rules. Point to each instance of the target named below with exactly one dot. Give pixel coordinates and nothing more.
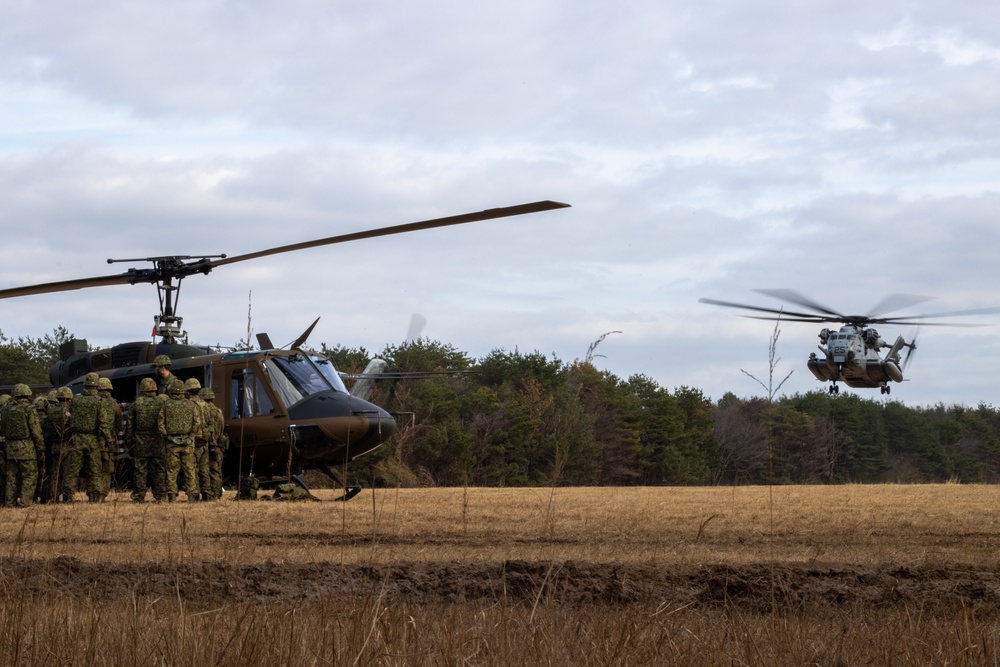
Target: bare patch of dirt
(752, 587)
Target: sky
(847, 150)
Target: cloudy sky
(847, 150)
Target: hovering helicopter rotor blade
(896, 302)
(911, 348)
(488, 214)
(791, 296)
(809, 317)
(952, 313)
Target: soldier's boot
(193, 498)
(171, 497)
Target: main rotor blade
(791, 296)
(488, 214)
(68, 285)
(812, 317)
(178, 269)
(896, 302)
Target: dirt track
(665, 588)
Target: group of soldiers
(171, 430)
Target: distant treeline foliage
(527, 419)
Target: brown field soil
(925, 549)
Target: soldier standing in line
(144, 439)
(217, 443)
(179, 421)
(162, 363)
(201, 437)
(88, 424)
(24, 444)
(41, 405)
(4, 398)
(109, 444)
(58, 418)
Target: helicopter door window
(249, 398)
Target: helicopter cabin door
(257, 423)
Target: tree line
(529, 419)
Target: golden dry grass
(744, 575)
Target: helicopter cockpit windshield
(296, 377)
(325, 367)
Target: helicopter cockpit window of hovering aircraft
(851, 355)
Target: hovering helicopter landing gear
(885, 389)
(834, 389)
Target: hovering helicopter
(852, 354)
(284, 408)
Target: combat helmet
(104, 384)
(91, 380)
(64, 393)
(147, 384)
(161, 360)
(40, 403)
(176, 388)
(192, 384)
(206, 394)
(4, 398)
(21, 390)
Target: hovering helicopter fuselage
(851, 356)
(280, 407)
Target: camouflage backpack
(248, 488)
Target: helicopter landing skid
(349, 491)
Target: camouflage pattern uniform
(56, 441)
(162, 363)
(89, 424)
(201, 438)
(179, 421)
(4, 398)
(40, 494)
(22, 431)
(109, 445)
(146, 443)
(218, 441)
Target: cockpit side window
(248, 396)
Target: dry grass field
(747, 575)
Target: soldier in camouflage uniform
(41, 405)
(217, 442)
(162, 363)
(192, 387)
(56, 441)
(143, 437)
(109, 446)
(89, 424)
(22, 431)
(4, 398)
(179, 421)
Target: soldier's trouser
(181, 457)
(22, 476)
(201, 465)
(56, 472)
(215, 471)
(107, 470)
(84, 458)
(149, 472)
